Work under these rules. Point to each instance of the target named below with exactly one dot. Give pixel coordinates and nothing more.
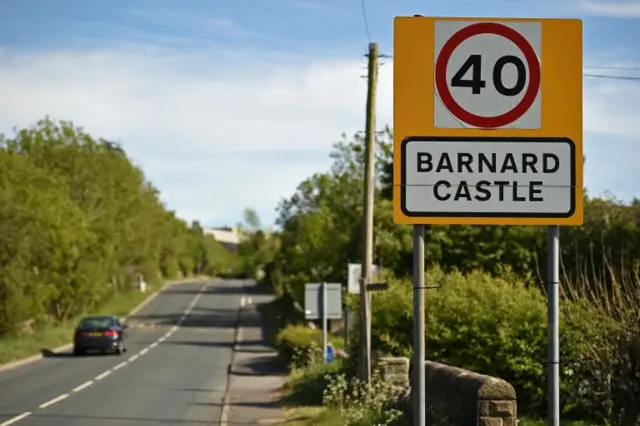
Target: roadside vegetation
(78, 222)
(488, 313)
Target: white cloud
(620, 9)
(202, 23)
(162, 104)
(181, 113)
(611, 108)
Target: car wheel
(120, 349)
(77, 352)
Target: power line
(589, 75)
(366, 21)
(612, 77)
(614, 68)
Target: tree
(76, 219)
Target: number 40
(476, 83)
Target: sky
(231, 104)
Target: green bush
(299, 345)
(306, 385)
(362, 404)
(494, 326)
(78, 222)
(279, 314)
(331, 386)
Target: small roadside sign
(488, 121)
(377, 286)
(354, 274)
(314, 304)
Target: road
(174, 372)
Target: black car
(104, 334)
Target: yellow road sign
(487, 121)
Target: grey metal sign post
(553, 324)
(323, 301)
(325, 323)
(418, 380)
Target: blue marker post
(330, 353)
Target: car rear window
(96, 323)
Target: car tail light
(111, 333)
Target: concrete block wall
(457, 397)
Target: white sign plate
(354, 275)
(487, 75)
(488, 177)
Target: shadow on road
(246, 403)
(48, 353)
(212, 289)
(266, 365)
(198, 317)
(199, 343)
(115, 420)
(251, 347)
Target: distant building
(229, 237)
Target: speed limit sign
(487, 121)
(487, 74)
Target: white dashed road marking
(54, 400)
(243, 302)
(82, 386)
(103, 375)
(119, 366)
(15, 419)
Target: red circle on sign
(445, 93)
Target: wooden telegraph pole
(367, 216)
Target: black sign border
(505, 139)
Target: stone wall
(457, 397)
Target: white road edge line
(103, 375)
(144, 351)
(54, 400)
(133, 358)
(16, 419)
(153, 345)
(82, 386)
(224, 412)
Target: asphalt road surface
(173, 373)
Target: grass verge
(321, 416)
(21, 347)
(543, 422)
